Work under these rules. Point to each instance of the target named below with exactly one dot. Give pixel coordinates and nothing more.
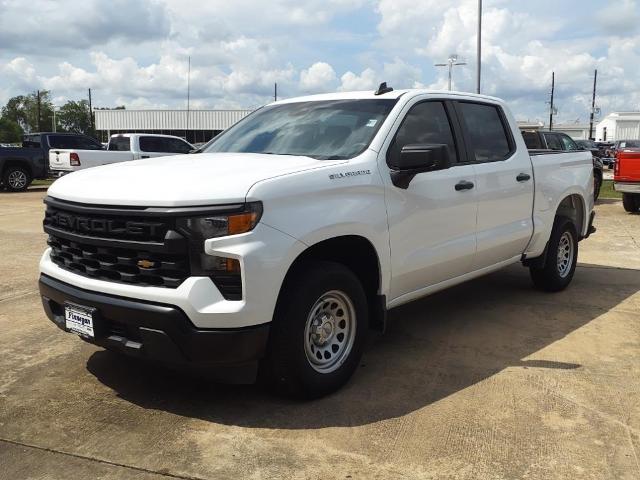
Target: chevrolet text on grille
(99, 225)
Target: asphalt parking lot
(487, 380)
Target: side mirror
(419, 158)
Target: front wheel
(318, 331)
(561, 259)
(16, 179)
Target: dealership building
(196, 126)
(619, 126)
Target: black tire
(631, 202)
(597, 185)
(554, 276)
(16, 179)
(287, 367)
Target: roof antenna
(383, 89)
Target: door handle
(144, 156)
(523, 177)
(464, 185)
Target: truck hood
(177, 181)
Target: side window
(60, 141)
(532, 140)
(153, 144)
(568, 142)
(31, 141)
(178, 146)
(425, 123)
(553, 142)
(486, 130)
(119, 144)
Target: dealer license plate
(79, 319)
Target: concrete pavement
(488, 380)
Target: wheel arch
(359, 255)
(573, 207)
(17, 163)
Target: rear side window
(532, 140)
(486, 131)
(153, 144)
(568, 143)
(120, 144)
(553, 142)
(31, 141)
(425, 123)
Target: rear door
(504, 183)
(432, 222)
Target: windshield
(630, 144)
(326, 130)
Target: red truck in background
(626, 177)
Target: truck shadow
(433, 348)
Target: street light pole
(451, 62)
(479, 53)
(593, 105)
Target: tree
(23, 110)
(74, 117)
(10, 131)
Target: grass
(607, 191)
(42, 183)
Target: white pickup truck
(121, 148)
(276, 250)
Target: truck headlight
(222, 225)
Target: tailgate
(628, 166)
(59, 160)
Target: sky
(135, 52)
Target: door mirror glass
(423, 157)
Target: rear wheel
(631, 202)
(561, 259)
(318, 331)
(16, 179)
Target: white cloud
(365, 81)
(319, 77)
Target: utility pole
(451, 62)
(186, 132)
(479, 54)
(553, 85)
(275, 92)
(38, 125)
(593, 104)
(91, 126)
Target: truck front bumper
(159, 332)
(627, 187)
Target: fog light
(225, 273)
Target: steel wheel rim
(565, 254)
(17, 179)
(330, 331)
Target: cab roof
(371, 95)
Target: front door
(432, 223)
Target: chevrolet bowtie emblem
(146, 264)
